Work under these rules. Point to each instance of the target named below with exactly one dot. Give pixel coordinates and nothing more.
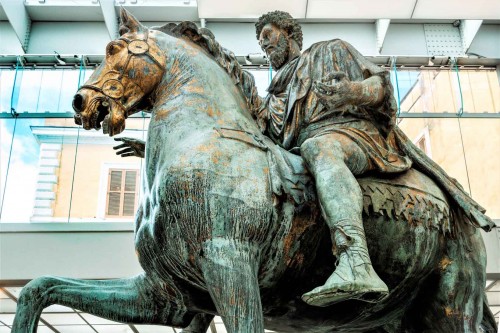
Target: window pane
(482, 151)
(129, 204)
(69, 87)
(428, 91)
(130, 180)
(6, 84)
(444, 142)
(114, 203)
(26, 184)
(50, 90)
(29, 91)
(406, 83)
(480, 90)
(438, 90)
(115, 183)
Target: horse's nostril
(78, 103)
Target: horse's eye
(112, 48)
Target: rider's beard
(280, 53)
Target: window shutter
(114, 203)
(129, 204)
(115, 183)
(130, 180)
(114, 195)
(122, 193)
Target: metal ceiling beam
(381, 26)
(491, 285)
(19, 20)
(110, 17)
(468, 30)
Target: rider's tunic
(292, 113)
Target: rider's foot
(354, 278)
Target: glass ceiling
(62, 319)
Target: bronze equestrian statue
(229, 223)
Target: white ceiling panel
(249, 9)
(48, 12)
(457, 9)
(168, 12)
(360, 9)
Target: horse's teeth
(105, 125)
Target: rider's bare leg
(230, 268)
(135, 300)
(334, 159)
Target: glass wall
(52, 170)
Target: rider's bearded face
(280, 54)
(275, 43)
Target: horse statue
(223, 228)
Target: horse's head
(133, 67)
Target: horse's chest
(164, 250)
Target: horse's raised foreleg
(230, 271)
(199, 324)
(135, 300)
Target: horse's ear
(128, 23)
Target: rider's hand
(130, 147)
(335, 91)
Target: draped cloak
(291, 113)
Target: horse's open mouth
(102, 116)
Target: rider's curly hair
(282, 20)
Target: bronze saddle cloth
(410, 196)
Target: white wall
(68, 38)
(79, 250)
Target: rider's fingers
(336, 75)
(323, 89)
(123, 145)
(128, 154)
(118, 139)
(123, 151)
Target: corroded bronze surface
(228, 223)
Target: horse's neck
(196, 86)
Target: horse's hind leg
(452, 299)
(133, 300)
(199, 324)
(230, 272)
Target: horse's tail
(488, 323)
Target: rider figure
(338, 109)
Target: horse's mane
(204, 38)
